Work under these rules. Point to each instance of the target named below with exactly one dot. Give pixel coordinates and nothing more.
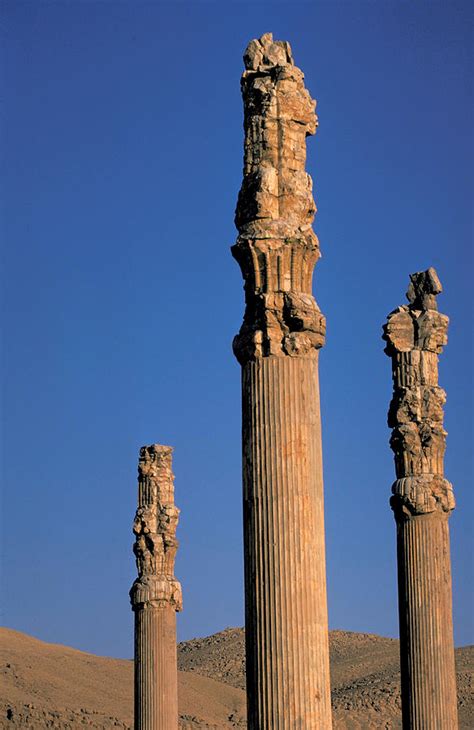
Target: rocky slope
(52, 686)
(364, 675)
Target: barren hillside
(365, 676)
(52, 686)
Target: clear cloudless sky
(122, 148)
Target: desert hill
(53, 686)
(365, 676)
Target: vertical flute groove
(283, 548)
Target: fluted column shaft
(156, 671)
(426, 626)
(285, 577)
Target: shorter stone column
(156, 594)
(422, 502)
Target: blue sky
(122, 145)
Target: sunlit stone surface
(422, 502)
(283, 329)
(156, 594)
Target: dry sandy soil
(52, 686)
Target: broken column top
(418, 324)
(155, 451)
(154, 526)
(264, 52)
(155, 468)
(415, 334)
(423, 289)
(276, 197)
(276, 248)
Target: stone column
(284, 552)
(156, 594)
(422, 502)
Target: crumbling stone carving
(154, 527)
(155, 594)
(277, 248)
(415, 334)
(422, 500)
(287, 661)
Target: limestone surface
(154, 527)
(422, 500)
(287, 649)
(415, 335)
(155, 594)
(276, 247)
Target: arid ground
(52, 686)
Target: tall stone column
(422, 502)
(284, 553)
(156, 594)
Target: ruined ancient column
(422, 502)
(283, 329)
(156, 594)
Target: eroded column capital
(418, 495)
(154, 527)
(276, 248)
(152, 591)
(415, 334)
